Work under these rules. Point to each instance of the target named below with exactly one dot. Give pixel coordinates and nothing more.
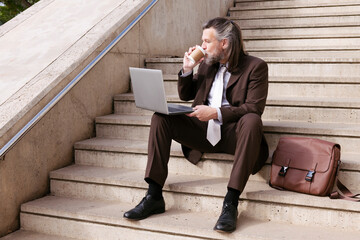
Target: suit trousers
(242, 139)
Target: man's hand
(187, 64)
(204, 113)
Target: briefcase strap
(344, 193)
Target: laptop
(149, 92)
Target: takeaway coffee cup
(197, 54)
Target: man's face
(214, 48)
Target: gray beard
(212, 59)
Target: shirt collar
(226, 65)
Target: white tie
(213, 130)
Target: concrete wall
(173, 26)
(168, 29)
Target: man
(229, 93)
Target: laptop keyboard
(178, 108)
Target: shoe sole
(158, 211)
(223, 231)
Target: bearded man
(229, 94)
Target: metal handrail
(69, 86)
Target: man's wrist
(215, 114)
(187, 70)
(183, 74)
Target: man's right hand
(187, 64)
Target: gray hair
(227, 29)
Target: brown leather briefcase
(305, 165)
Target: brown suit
(241, 132)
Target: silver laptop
(149, 92)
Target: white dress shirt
(224, 102)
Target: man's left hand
(204, 113)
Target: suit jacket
(246, 92)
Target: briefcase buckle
(283, 171)
(309, 176)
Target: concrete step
(205, 194)
(169, 66)
(30, 235)
(287, 11)
(298, 22)
(328, 56)
(278, 4)
(281, 67)
(135, 127)
(312, 67)
(302, 109)
(131, 154)
(315, 79)
(103, 220)
(308, 90)
(303, 33)
(322, 44)
(287, 111)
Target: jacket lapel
(236, 76)
(233, 79)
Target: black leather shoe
(227, 219)
(147, 207)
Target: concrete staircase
(312, 49)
